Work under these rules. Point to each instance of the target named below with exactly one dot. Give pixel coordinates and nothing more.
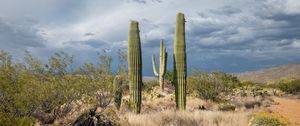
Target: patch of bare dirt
(290, 108)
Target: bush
(151, 89)
(33, 89)
(210, 86)
(169, 75)
(10, 120)
(251, 88)
(149, 85)
(290, 86)
(226, 107)
(268, 119)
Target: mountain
(287, 71)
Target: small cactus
(162, 65)
(180, 67)
(135, 67)
(118, 90)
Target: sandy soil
(290, 108)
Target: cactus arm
(154, 66)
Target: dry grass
(196, 118)
(244, 103)
(160, 110)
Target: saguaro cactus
(134, 67)
(162, 65)
(180, 66)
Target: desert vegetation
(33, 92)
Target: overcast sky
(224, 35)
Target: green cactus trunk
(135, 67)
(180, 72)
(162, 65)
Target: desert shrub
(210, 86)
(106, 117)
(248, 83)
(32, 89)
(268, 119)
(226, 107)
(149, 85)
(252, 104)
(7, 119)
(289, 86)
(242, 92)
(251, 88)
(151, 89)
(256, 91)
(169, 75)
(112, 116)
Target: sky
(221, 35)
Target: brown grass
(196, 118)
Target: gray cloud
(92, 43)
(242, 29)
(222, 35)
(226, 10)
(89, 34)
(144, 1)
(19, 36)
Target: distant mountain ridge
(287, 71)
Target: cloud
(89, 34)
(87, 44)
(226, 10)
(244, 29)
(221, 35)
(264, 33)
(144, 1)
(19, 36)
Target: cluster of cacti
(162, 65)
(180, 71)
(135, 67)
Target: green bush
(290, 86)
(169, 75)
(32, 89)
(210, 86)
(7, 119)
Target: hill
(287, 71)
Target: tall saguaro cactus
(162, 65)
(135, 67)
(180, 72)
